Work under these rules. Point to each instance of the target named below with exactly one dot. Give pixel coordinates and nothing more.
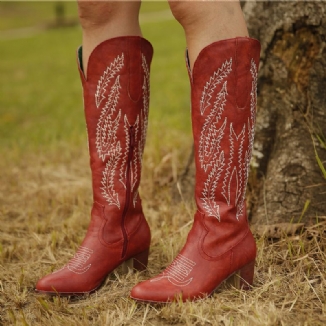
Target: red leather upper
(116, 101)
(223, 92)
(223, 97)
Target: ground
(45, 191)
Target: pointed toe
(146, 292)
(151, 291)
(47, 284)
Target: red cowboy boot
(220, 244)
(116, 99)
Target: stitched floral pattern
(233, 168)
(140, 130)
(78, 263)
(108, 74)
(107, 182)
(107, 127)
(218, 76)
(178, 272)
(108, 146)
(251, 135)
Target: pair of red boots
(116, 98)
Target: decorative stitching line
(234, 138)
(210, 137)
(106, 142)
(178, 271)
(107, 182)
(210, 86)
(143, 123)
(210, 186)
(227, 172)
(145, 109)
(251, 135)
(240, 160)
(123, 168)
(211, 158)
(77, 263)
(108, 74)
(134, 163)
(240, 205)
(106, 128)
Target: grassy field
(45, 190)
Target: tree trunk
(286, 182)
(291, 117)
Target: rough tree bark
(292, 109)
(291, 117)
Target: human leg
(223, 76)
(205, 22)
(103, 20)
(116, 100)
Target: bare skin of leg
(102, 20)
(205, 22)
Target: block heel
(140, 260)
(244, 277)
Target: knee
(185, 12)
(191, 14)
(95, 14)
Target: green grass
(14, 14)
(41, 101)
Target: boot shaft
(116, 100)
(224, 82)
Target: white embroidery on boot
(108, 74)
(77, 264)
(235, 165)
(106, 133)
(107, 182)
(107, 126)
(241, 163)
(123, 167)
(136, 160)
(218, 76)
(210, 137)
(251, 135)
(139, 148)
(135, 155)
(178, 271)
(211, 159)
(210, 187)
(107, 145)
(145, 108)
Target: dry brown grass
(45, 201)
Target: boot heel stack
(140, 261)
(244, 277)
(126, 266)
(137, 263)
